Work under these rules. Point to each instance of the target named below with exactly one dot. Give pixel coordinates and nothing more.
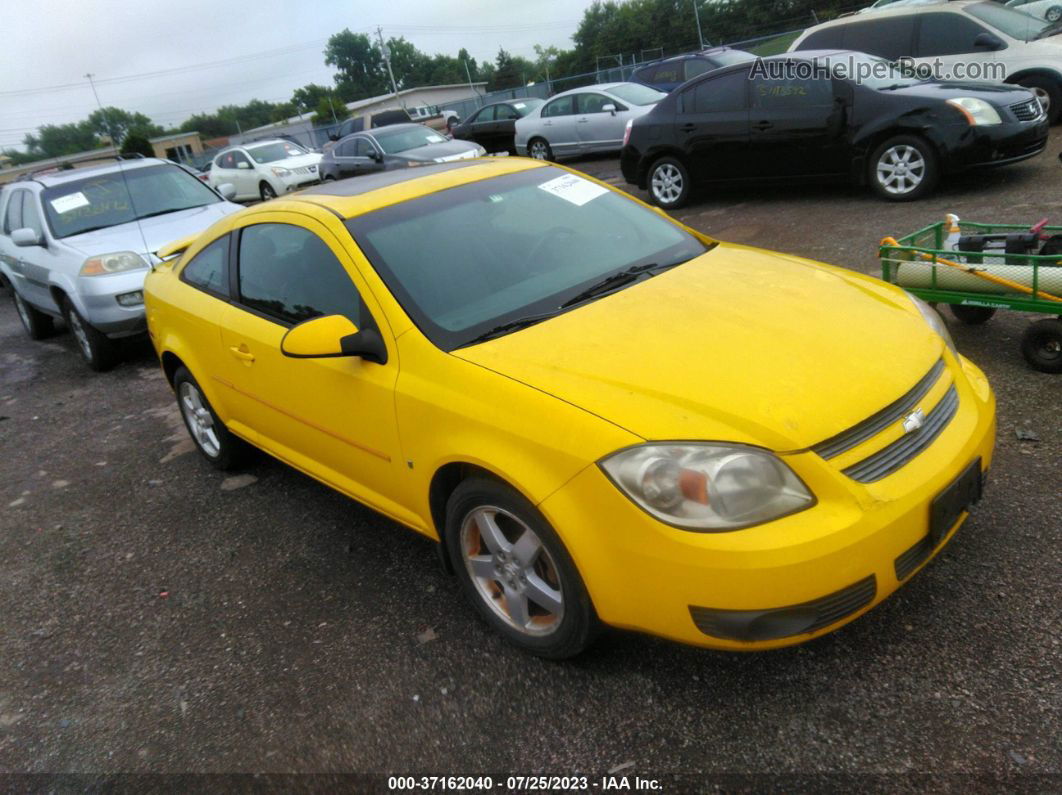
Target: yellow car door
(334, 418)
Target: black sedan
(395, 146)
(827, 116)
(493, 126)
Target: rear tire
(1041, 345)
(903, 168)
(539, 149)
(98, 350)
(669, 183)
(1048, 91)
(212, 439)
(37, 324)
(972, 315)
(516, 571)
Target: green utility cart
(977, 282)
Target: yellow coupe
(601, 415)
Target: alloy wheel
(1042, 95)
(80, 335)
(512, 571)
(539, 150)
(667, 183)
(199, 419)
(901, 169)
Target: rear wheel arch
(170, 362)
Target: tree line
(609, 28)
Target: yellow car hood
(738, 344)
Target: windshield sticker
(72, 201)
(573, 189)
(519, 105)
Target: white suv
(265, 169)
(957, 32)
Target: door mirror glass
(228, 190)
(243, 164)
(318, 338)
(26, 237)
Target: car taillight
(627, 131)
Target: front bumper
(295, 181)
(839, 558)
(998, 145)
(97, 301)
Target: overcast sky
(208, 53)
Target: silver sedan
(588, 119)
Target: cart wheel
(1041, 345)
(972, 315)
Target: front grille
(876, 423)
(1026, 111)
(913, 558)
(781, 622)
(894, 456)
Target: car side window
(890, 38)
(239, 157)
(225, 160)
(593, 103)
(346, 148)
(487, 114)
(697, 66)
(13, 216)
(289, 273)
(564, 106)
(31, 217)
(363, 147)
(726, 93)
(207, 269)
(946, 34)
(768, 94)
(505, 113)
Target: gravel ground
(159, 617)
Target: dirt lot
(156, 615)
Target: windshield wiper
(512, 325)
(165, 212)
(615, 281)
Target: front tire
(972, 315)
(515, 570)
(37, 324)
(904, 168)
(265, 190)
(1053, 14)
(669, 183)
(539, 149)
(1048, 91)
(98, 350)
(212, 439)
(1041, 345)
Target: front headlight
(707, 486)
(103, 264)
(976, 111)
(280, 172)
(935, 321)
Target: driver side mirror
(26, 237)
(330, 337)
(227, 190)
(374, 155)
(610, 108)
(243, 164)
(989, 41)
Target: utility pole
(697, 16)
(469, 75)
(333, 107)
(387, 60)
(106, 118)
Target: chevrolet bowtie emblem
(913, 421)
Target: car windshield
(467, 260)
(406, 138)
(637, 94)
(876, 73)
(271, 153)
(525, 106)
(1016, 24)
(107, 200)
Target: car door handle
(583, 121)
(242, 353)
(762, 125)
(688, 128)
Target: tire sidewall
(545, 143)
(929, 155)
(103, 352)
(1050, 329)
(578, 626)
(228, 445)
(686, 187)
(28, 317)
(1053, 90)
(266, 191)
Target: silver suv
(77, 244)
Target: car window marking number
(573, 189)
